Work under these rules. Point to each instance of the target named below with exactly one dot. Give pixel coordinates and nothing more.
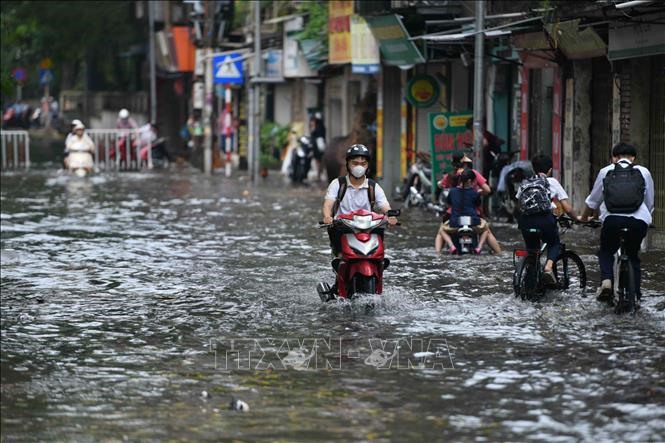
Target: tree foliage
(316, 24)
(72, 33)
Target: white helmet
(76, 122)
(123, 114)
(79, 125)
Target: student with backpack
(352, 192)
(536, 197)
(623, 193)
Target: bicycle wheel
(627, 289)
(570, 272)
(525, 278)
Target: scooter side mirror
(394, 213)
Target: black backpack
(623, 189)
(534, 196)
(342, 191)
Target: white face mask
(358, 171)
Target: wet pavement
(135, 306)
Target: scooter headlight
(362, 221)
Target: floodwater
(135, 306)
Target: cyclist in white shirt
(624, 200)
(544, 220)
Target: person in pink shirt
(460, 161)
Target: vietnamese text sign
(364, 48)
(396, 48)
(448, 134)
(339, 31)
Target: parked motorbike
(418, 187)
(301, 160)
(510, 179)
(465, 239)
(360, 268)
(124, 152)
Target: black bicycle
(568, 268)
(626, 297)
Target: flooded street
(125, 297)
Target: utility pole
(151, 55)
(207, 96)
(478, 88)
(255, 97)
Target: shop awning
(534, 50)
(576, 44)
(395, 44)
(639, 40)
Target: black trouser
(335, 236)
(610, 242)
(549, 233)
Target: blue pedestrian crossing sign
(227, 68)
(45, 76)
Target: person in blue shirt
(463, 200)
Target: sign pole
(227, 128)
(256, 72)
(151, 54)
(46, 109)
(478, 88)
(207, 115)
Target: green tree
(85, 40)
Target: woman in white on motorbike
(80, 149)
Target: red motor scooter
(360, 268)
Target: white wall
(459, 86)
(283, 94)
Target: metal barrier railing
(15, 149)
(115, 149)
(120, 149)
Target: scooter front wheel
(362, 284)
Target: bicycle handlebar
(566, 221)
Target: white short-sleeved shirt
(595, 199)
(355, 198)
(556, 190)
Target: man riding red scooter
(355, 231)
